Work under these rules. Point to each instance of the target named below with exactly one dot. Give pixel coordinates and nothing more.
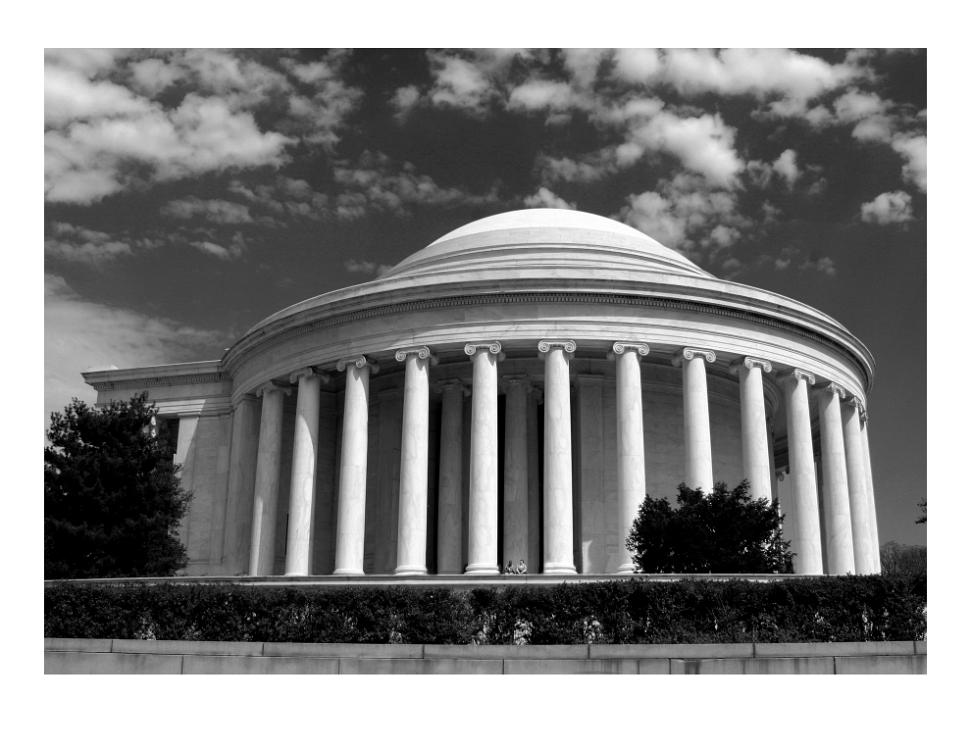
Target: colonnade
(848, 518)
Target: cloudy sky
(188, 194)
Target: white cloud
(376, 183)
(760, 72)
(787, 167)
(83, 335)
(539, 94)
(546, 198)
(367, 267)
(583, 64)
(74, 243)
(405, 99)
(636, 65)
(587, 168)
(215, 210)
(459, 83)
(888, 208)
(704, 144)
(101, 133)
(86, 160)
(227, 251)
(69, 95)
(152, 75)
(913, 148)
(687, 215)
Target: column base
(559, 569)
(348, 572)
(627, 569)
(481, 569)
(411, 570)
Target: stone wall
(92, 656)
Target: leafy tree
(905, 559)
(112, 500)
(923, 511)
(718, 532)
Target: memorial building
(511, 392)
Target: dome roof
(538, 237)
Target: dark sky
(188, 194)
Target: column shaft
(484, 460)
(836, 496)
(267, 483)
(755, 438)
(697, 429)
(449, 541)
(413, 490)
(237, 530)
(631, 483)
(303, 473)
(806, 542)
(557, 461)
(856, 478)
(349, 559)
(515, 503)
(871, 498)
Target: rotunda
(511, 392)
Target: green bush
(853, 608)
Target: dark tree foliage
(903, 559)
(718, 532)
(922, 518)
(112, 500)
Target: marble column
(836, 495)
(303, 471)
(413, 487)
(515, 496)
(806, 543)
(697, 428)
(484, 460)
(856, 479)
(349, 558)
(267, 482)
(871, 495)
(631, 483)
(755, 437)
(449, 541)
(242, 474)
(557, 460)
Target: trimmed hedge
(853, 608)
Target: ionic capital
(307, 372)
(750, 362)
(271, 387)
(619, 347)
(798, 374)
(855, 402)
(834, 389)
(689, 353)
(422, 352)
(359, 362)
(546, 345)
(494, 347)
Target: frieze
(658, 302)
